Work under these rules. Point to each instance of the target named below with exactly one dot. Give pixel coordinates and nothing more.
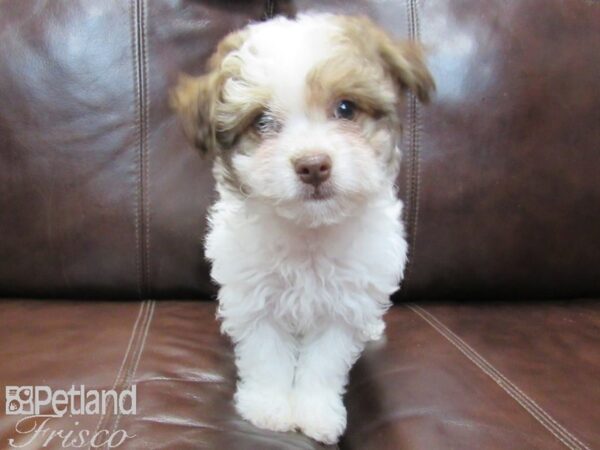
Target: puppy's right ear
(196, 99)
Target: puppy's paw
(375, 331)
(320, 415)
(265, 408)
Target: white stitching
(562, 434)
(138, 181)
(141, 313)
(269, 9)
(140, 78)
(414, 128)
(137, 358)
(144, 142)
(417, 141)
(530, 405)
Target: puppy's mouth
(319, 193)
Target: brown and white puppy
(305, 240)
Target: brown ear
(195, 99)
(406, 63)
(403, 60)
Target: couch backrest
(101, 196)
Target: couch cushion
(172, 351)
(505, 197)
(492, 376)
(101, 196)
(447, 376)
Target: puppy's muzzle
(313, 169)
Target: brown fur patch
(404, 61)
(348, 76)
(236, 115)
(229, 43)
(196, 99)
(193, 100)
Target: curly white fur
(299, 304)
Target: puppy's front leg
(265, 358)
(321, 375)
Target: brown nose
(313, 169)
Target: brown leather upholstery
(102, 199)
(107, 199)
(480, 376)
(506, 200)
(493, 376)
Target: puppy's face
(301, 115)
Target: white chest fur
(302, 277)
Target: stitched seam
(141, 91)
(138, 181)
(544, 418)
(133, 369)
(414, 127)
(124, 362)
(144, 140)
(269, 9)
(525, 401)
(130, 363)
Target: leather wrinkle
(536, 411)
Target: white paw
(320, 415)
(375, 331)
(264, 407)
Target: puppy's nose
(313, 169)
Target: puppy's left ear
(406, 63)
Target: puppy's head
(301, 115)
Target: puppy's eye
(345, 110)
(261, 122)
(266, 123)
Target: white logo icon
(19, 400)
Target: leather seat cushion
(463, 376)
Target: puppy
(305, 240)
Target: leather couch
(494, 341)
